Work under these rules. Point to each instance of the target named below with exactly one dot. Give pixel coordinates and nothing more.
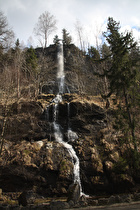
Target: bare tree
(45, 26)
(97, 33)
(79, 30)
(30, 41)
(6, 91)
(6, 33)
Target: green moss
(63, 165)
(27, 152)
(65, 168)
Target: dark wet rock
(26, 198)
(126, 198)
(71, 203)
(74, 193)
(137, 196)
(83, 201)
(92, 202)
(57, 205)
(114, 199)
(103, 201)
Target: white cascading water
(57, 131)
(60, 70)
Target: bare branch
(6, 33)
(45, 26)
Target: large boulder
(74, 193)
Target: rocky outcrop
(79, 77)
(42, 165)
(32, 159)
(22, 121)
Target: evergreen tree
(93, 53)
(66, 37)
(31, 60)
(105, 51)
(56, 40)
(122, 77)
(105, 64)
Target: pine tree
(122, 77)
(31, 60)
(66, 37)
(93, 53)
(56, 40)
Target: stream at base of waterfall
(72, 136)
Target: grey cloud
(23, 14)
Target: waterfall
(75, 159)
(60, 70)
(57, 130)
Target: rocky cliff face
(79, 77)
(32, 159)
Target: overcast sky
(22, 15)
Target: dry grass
(6, 199)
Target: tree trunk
(18, 83)
(45, 39)
(131, 122)
(2, 135)
(3, 127)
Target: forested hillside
(101, 103)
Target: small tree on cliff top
(66, 37)
(45, 26)
(56, 40)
